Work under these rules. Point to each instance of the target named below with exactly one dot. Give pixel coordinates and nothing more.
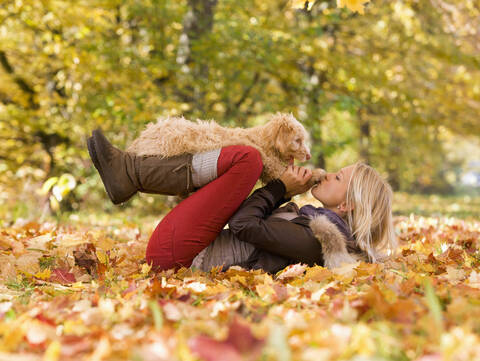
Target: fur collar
(334, 243)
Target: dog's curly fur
(279, 141)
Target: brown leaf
(406, 252)
(85, 257)
(455, 255)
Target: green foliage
(459, 206)
(394, 86)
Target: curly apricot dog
(281, 140)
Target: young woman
(355, 222)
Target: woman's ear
(344, 208)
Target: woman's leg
(123, 173)
(226, 250)
(197, 220)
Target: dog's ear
(273, 127)
(280, 131)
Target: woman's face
(332, 191)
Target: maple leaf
(86, 258)
(44, 275)
(115, 308)
(318, 273)
(353, 5)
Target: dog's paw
(318, 174)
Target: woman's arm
(274, 235)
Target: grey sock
(205, 167)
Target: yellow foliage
(43, 275)
(353, 5)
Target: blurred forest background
(398, 87)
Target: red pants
(194, 223)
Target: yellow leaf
(264, 278)
(366, 269)
(146, 268)
(183, 349)
(317, 273)
(102, 256)
(40, 241)
(44, 275)
(77, 285)
(346, 272)
(217, 288)
(49, 183)
(426, 267)
(264, 291)
(105, 244)
(239, 279)
(70, 240)
(75, 327)
(362, 341)
(353, 5)
(53, 351)
(12, 336)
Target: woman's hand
(296, 180)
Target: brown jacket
(264, 235)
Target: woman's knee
(254, 157)
(244, 153)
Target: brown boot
(123, 174)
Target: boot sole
(96, 163)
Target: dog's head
(289, 137)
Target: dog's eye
(298, 140)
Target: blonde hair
(370, 219)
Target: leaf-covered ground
(83, 292)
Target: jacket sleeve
(275, 235)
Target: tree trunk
(364, 136)
(392, 166)
(197, 23)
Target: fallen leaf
(292, 271)
(62, 276)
